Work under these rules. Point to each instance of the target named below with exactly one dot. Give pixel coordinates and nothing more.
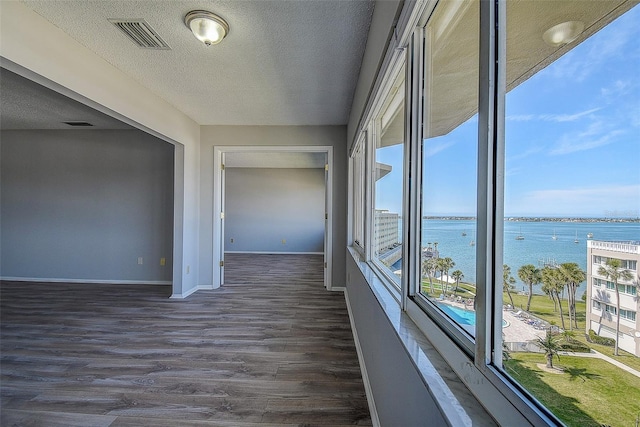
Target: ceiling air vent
(140, 33)
(78, 124)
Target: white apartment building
(385, 230)
(601, 296)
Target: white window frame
(357, 194)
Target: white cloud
(617, 89)
(432, 148)
(569, 144)
(558, 118)
(530, 152)
(580, 201)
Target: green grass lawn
(542, 307)
(590, 392)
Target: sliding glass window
(572, 144)
(388, 176)
(449, 162)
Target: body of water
(537, 246)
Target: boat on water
(520, 236)
(589, 235)
(576, 239)
(464, 234)
(472, 243)
(554, 237)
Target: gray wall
(85, 204)
(334, 136)
(264, 206)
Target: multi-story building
(601, 295)
(385, 229)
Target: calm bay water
(537, 247)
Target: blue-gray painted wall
(85, 204)
(265, 206)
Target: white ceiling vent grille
(140, 33)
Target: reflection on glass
(572, 192)
(449, 161)
(388, 175)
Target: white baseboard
(375, 421)
(338, 289)
(192, 291)
(88, 281)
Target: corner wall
(57, 61)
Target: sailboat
(520, 236)
(472, 242)
(589, 235)
(554, 237)
(576, 239)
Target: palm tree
(507, 282)
(440, 266)
(448, 264)
(612, 270)
(573, 276)
(530, 275)
(457, 275)
(550, 346)
(428, 268)
(553, 283)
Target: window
(388, 175)
(357, 193)
(449, 163)
(479, 185)
(564, 113)
(629, 264)
(628, 314)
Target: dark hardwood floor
(272, 352)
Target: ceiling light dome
(563, 33)
(206, 26)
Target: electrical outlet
(188, 269)
(284, 241)
(231, 240)
(163, 261)
(139, 260)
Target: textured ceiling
(28, 105)
(283, 62)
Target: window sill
(456, 403)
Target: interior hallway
(274, 352)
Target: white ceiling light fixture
(206, 26)
(563, 33)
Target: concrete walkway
(595, 355)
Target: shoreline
(541, 219)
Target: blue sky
(572, 139)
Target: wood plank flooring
(272, 352)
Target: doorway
(272, 200)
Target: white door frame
(218, 193)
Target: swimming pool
(462, 316)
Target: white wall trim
(375, 421)
(191, 291)
(94, 281)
